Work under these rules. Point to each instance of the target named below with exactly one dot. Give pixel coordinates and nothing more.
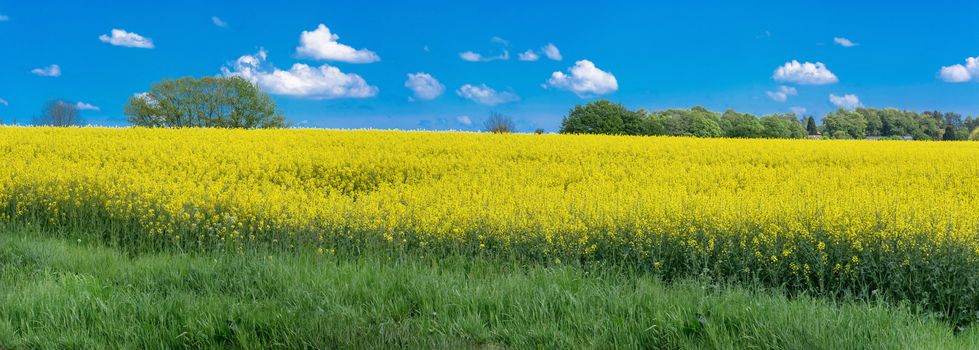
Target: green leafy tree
(216, 102)
(811, 127)
(697, 121)
(974, 136)
(782, 126)
(602, 117)
(740, 125)
(844, 124)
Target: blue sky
(653, 55)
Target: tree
(811, 127)
(602, 117)
(974, 136)
(844, 124)
(740, 125)
(215, 102)
(697, 121)
(499, 124)
(782, 126)
(58, 113)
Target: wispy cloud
(782, 93)
(476, 57)
(486, 95)
(53, 71)
(844, 42)
(82, 106)
(529, 56)
(219, 22)
(552, 52)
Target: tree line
(233, 102)
(606, 117)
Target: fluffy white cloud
(424, 86)
(53, 70)
(323, 82)
(219, 22)
(844, 42)
(958, 73)
(782, 93)
(321, 44)
(4, 102)
(585, 80)
(528, 55)
(82, 106)
(804, 73)
(476, 57)
(123, 38)
(486, 95)
(552, 52)
(848, 101)
(464, 120)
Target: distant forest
(605, 117)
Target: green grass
(62, 293)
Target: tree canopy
(217, 102)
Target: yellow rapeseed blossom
(721, 205)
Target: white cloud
(219, 22)
(53, 70)
(552, 52)
(123, 38)
(528, 55)
(798, 110)
(321, 44)
(844, 42)
(585, 80)
(958, 73)
(424, 86)
(323, 82)
(4, 18)
(4, 102)
(476, 57)
(804, 73)
(848, 101)
(464, 120)
(486, 95)
(782, 93)
(499, 40)
(82, 106)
